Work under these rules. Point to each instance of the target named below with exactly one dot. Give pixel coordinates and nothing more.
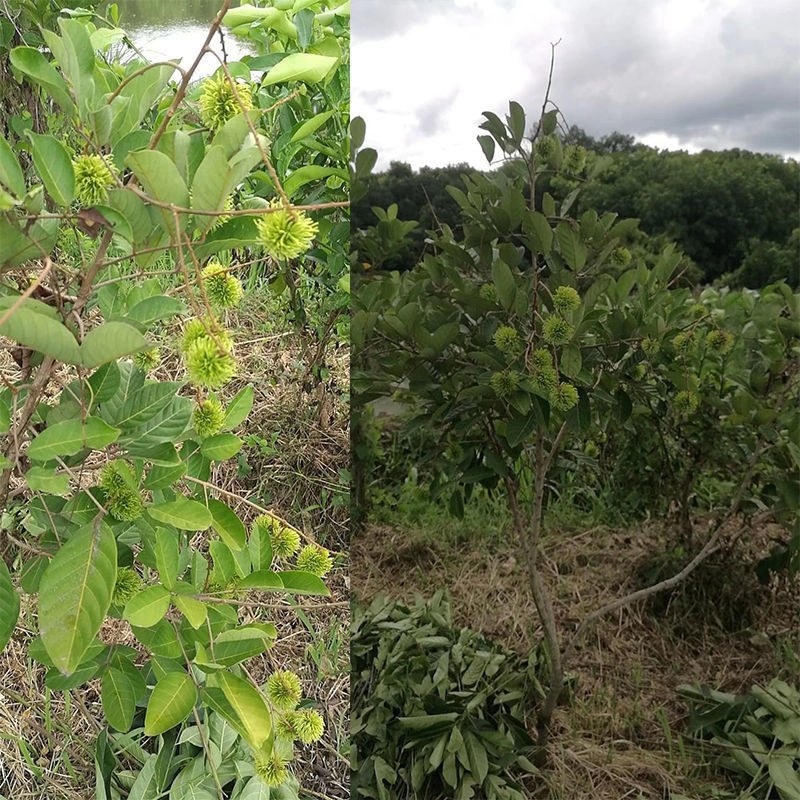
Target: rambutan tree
(514, 342)
(138, 217)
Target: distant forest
(733, 213)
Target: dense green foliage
(437, 711)
(125, 228)
(734, 213)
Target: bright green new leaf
(42, 479)
(183, 514)
(249, 705)
(263, 579)
(70, 437)
(9, 605)
(32, 63)
(54, 167)
(173, 699)
(38, 331)
(75, 593)
(311, 125)
(194, 610)
(239, 408)
(147, 607)
(307, 67)
(111, 341)
(311, 172)
(299, 582)
(118, 697)
(221, 447)
(227, 524)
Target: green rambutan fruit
(209, 364)
(541, 358)
(683, 341)
(208, 417)
(546, 149)
(488, 292)
(314, 559)
(220, 103)
(563, 396)
(271, 769)
(284, 233)
(566, 299)
(504, 383)
(222, 289)
(284, 690)
(127, 585)
(686, 402)
(94, 176)
(545, 377)
(309, 725)
(122, 498)
(506, 339)
(147, 360)
(556, 330)
(651, 346)
(621, 256)
(574, 159)
(719, 341)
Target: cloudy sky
(682, 74)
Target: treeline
(733, 213)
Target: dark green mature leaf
(29, 326)
(299, 582)
(504, 283)
(118, 697)
(172, 700)
(54, 167)
(9, 606)
(239, 644)
(184, 514)
(32, 63)
(227, 524)
(10, 171)
(70, 437)
(75, 594)
(154, 309)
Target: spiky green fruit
(545, 377)
(122, 498)
(547, 149)
(285, 541)
(686, 402)
(222, 289)
(285, 233)
(94, 176)
(127, 585)
(541, 358)
(284, 690)
(488, 292)
(574, 159)
(719, 341)
(504, 383)
(220, 103)
(621, 256)
(309, 725)
(556, 330)
(566, 299)
(196, 329)
(506, 339)
(208, 363)
(271, 769)
(147, 360)
(315, 559)
(651, 346)
(563, 396)
(682, 342)
(208, 417)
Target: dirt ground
(619, 734)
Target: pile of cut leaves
(438, 711)
(756, 735)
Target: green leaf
(571, 246)
(307, 67)
(239, 644)
(118, 697)
(166, 550)
(10, 171)
(239, 408)
(5, 415)
(166, 426)
(260, 547)
(111, 341)
(154, 309)
(9, 606)
(184, 514)
(311, 172)
(249, 706)
(227, 524)
(263, 579)
(535, 224)
(194, 610)
(570, 361)
(32, 63)
(161, 180)
(147, 607)
(28, 326)
(299, 582)
(221, 447)
(504, 283)
(70, 437)
(75, 594)
(54, 167)
(487, 145)
(145, 404)
(311, 125)
(43, 479)
(172, 700)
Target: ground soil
(619, 735)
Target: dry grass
(618, 736)
(47, 739)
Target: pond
(176, 29)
